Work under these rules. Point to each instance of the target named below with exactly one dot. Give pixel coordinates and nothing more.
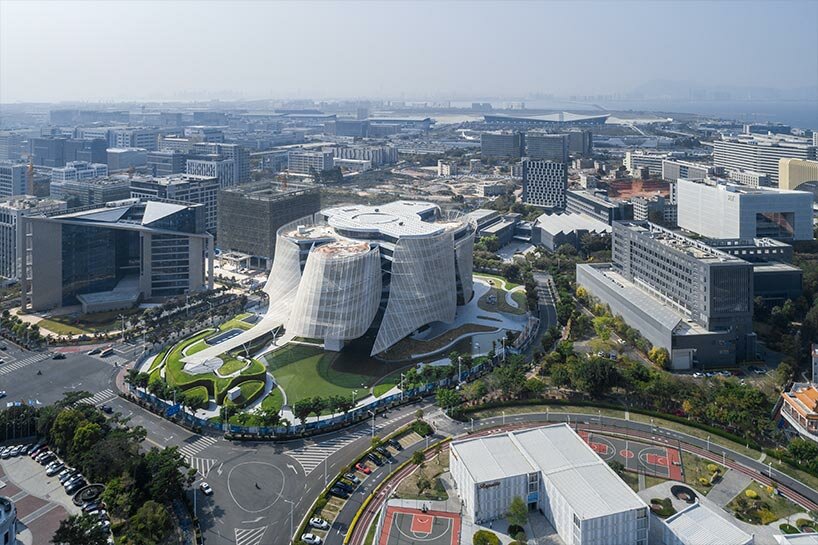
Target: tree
(417, 457)
(62, 431)
(659, 356)
(517, 512)
(302, 409)
(167, 482)
(150, 524)
(85, 437)
(595, 376)
(447, 398)
(484, 537)
(80, 530)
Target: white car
(311, 539)
(697, 374)
(206, 490)
(2, 394)
(321, 524)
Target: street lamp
(459, 371)
(292, 506)
(354, 393)
(401, 386)
(708, 443)
(373, 422)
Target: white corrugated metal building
(555, 472)
(699, 525)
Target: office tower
(120, 159)
(8, 521)
(88, 150)
(11, 235)
(93, 192)
(766, 128)
(544, 183)
(251, 214)
(183, 188)
(213, 166)
(12, 145)
(239, 156)
(12, 178)
(760, 153)
(48, 151)
(673, 169)
(547, 147)
(718, 210)
(656, 209)
(177, 143)
(580, 142)
(166, 162)
(681, 294)
(309, 162)
(378, 155)
(636, 160)
(750, 178)
(135, 138)
(795, 172)
(502, 144)
(204, 133)
(79, 170)
(110, 258)
(598, 206)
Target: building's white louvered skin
(396, 267)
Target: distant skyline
(186, 50)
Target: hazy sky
(123, 50)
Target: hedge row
(647, 412)
(250, 391)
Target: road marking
(250, 536)
(201, 465)
(9, 367)
(98, 398)
(196, 446)
(293, 468)
(252, 521)
(220, 468)
(312, 456)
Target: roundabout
(252, 484)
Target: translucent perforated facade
(389, 269)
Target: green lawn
(498, 280)
(695, 468)
(501, 305)
(231, 366)
(407, 347)
(387, 383)
(98, 322)
(306, 371)
(273, 401)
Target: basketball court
(404, 526)
(659, 461)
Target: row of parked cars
(347, 484)
(70, 478)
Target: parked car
(92, 506)
(395, 444)
(47, 459)
(321, 524)
(93, 351)
(53, 470)
(104, 524)
(311, 539)
(3, 346)
(698, 374)
(363, 468)
(76, 486)
(375, 459)
(206, 490)
(345, 486)
(107, 409)
(352, 478)
(338, 493)
(58, 356)
(16, 451)
(384, 452)
(67, 474)
(72, 480)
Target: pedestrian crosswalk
(201, 465)
(99, 398)
(195, 446)
(13, 366)
(250, 536)
(312, 456)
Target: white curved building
(390, 269)
(8, 521)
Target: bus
(107, 352)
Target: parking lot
(41, 500)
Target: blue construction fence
(357, 415)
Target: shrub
(422, 428)
(484, 537)
(514, 529)
(712, 468)
(805, 522)
(752, 494)
(788, 528)
(704, 481)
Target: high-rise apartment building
(760, 153)
(79, 170)
(12, 178)
(545, 183)
(681, 294)
(718, 210)
(547, 147)
(580, 142)
(230, 152)
(214, 166)
(502, 144)
(309, 162)
(11, 237)
(183, 188)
